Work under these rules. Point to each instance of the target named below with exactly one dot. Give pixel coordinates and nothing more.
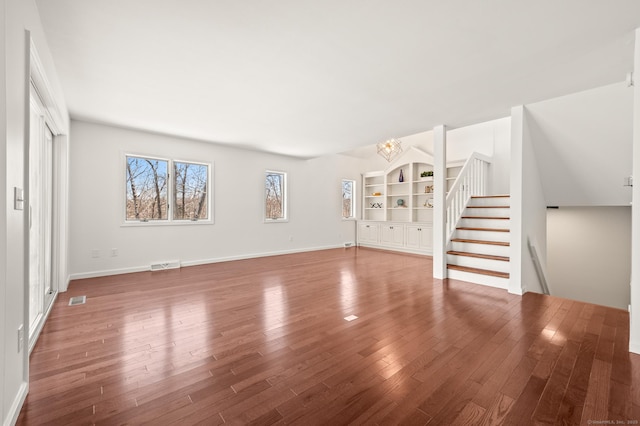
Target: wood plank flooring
(264, 341)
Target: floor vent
(161, 266)
(77, 300)
(348, 244)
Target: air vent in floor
(77, 300)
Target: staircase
(479, 248)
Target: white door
(40, 204)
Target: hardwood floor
(264, 341)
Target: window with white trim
(348, 199)
(163, 190)
(275, 198)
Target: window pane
(348, 205)
(190, 196)
(275, 193)
(146, 189)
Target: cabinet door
(368, 233)
(426, 238)
(413, 236)
(420, 237)
(393, 235)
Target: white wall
(588, 254)
(584, 142)
(17, 16)
(634, 335)
(4, 415)
(96, 203)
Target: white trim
(109, 272)
(16, 405)
(42, 87)
(634, 346)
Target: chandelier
(390, 148)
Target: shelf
(399, 195)
(397, 183)
(373, 184)
(373, 196)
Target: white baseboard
(634, 347)
(109, 272)
(256, 255)
(16, 406)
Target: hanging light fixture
(390, 148)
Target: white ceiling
(307, 78)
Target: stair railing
(472, 180)
(542, 277)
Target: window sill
(132, 224)
(276, 220)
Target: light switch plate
(18, 198)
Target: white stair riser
(487, 280)
(481, 248)
(493, 212)
(482, 235)
(492, 201)
(475, 262)
(485, 223)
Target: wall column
(515, 251)
(439, 201)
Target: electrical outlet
(114, 252)
(20, 338)
(290, 237)
(95, 253)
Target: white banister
(472, 180)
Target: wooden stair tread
(493, 243)
(479, 271)
(491, 196)
(479, 255)
(485, 217)
(483, 229)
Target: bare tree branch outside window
(275, 195)
(190, 195)
(146, 189)
(158, 189)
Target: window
(348, 199)
(190, 182)
(146, 189)
(275, 196)
(150, 186)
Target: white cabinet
(368, 233)
(398, 236)
(420, 237)
(392, 235)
